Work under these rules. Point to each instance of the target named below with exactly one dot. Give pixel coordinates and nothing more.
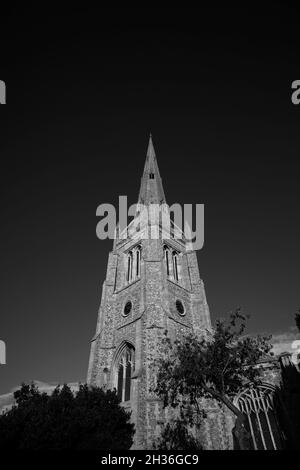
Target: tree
(175, 436)
(88, 419)
(216, 365)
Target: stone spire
(152, 286)
(151, 190)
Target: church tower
(152, 286)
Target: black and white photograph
(150, 230)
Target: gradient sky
(83, 92)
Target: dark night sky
(83, 92)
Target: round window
(127, 308)
(180, 307)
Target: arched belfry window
(175, 265)
(171, 258)
(258, 404)
(167, 256)
(133, 270)
(129, 266)
(124, 369)
(138, 260)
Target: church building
(151, 285)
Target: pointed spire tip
(150, 151)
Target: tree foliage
(176, 436)
(216, 365)
(88, 419)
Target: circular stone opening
(127, 308)
(180, 307)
